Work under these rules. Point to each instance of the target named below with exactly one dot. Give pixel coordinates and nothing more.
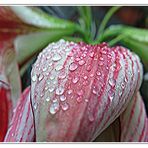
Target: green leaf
(138, 34)
(28, 45)
(85, 21)
(38, 18)
(86, 16)
(116, 39)
(107, 17)
(105, 21)
(113, 30)
(139, 48)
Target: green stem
(105, 21)
(116, 39)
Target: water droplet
(51, 89)
(86, 100)
(60, 90)
(80, 92)
(91, 75)
(91, 117)
(75, 80)
(48, 57)
(35, 105)
(62, 98)
(85, 77)
(46, 87)
(100, 63)
(111, 94)
(78, 59)
(69, 91)
(84, 55)
(54, 82)
(47, 73)
(73, 67)
(56, 57)
(58, 67)
(12, 134)
(91, 54)
(50, 64)
(41, 77)
(112, 82)
(81, 62)
(103, 52)
(44, 68)
(47, 99)
(70, 54)
(42, 94)
(94, 91)
(120, 92)
(51, 77)
(54, 107)
(113, 67)
(101, 58)
(67, 49)
(98, 73)
(88, 68)
(65, 106)
(79, 99)
(125, 79)
(62, 75)
(34, 78)
(123, 85)
(86, 82)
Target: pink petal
(5, 109)
(22, 126)
(134, 121)
(9, 75)
(78, 90)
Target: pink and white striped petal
(134, 121)
(78, 90)
(21, 128)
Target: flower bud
(78, 90)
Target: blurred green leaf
(28, 45)
(85, 21)
(85, 15)
(105, 21)
(140, 48)
(138, 34)
(107, 17)
(36, 17)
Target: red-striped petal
(22, 126)
(78, 90)
(134, 121)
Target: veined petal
(21, 128)
(9, 69)
(78, 90)
(5, 108)
(134, 121)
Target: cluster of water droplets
(48, 69)
(71, 80)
